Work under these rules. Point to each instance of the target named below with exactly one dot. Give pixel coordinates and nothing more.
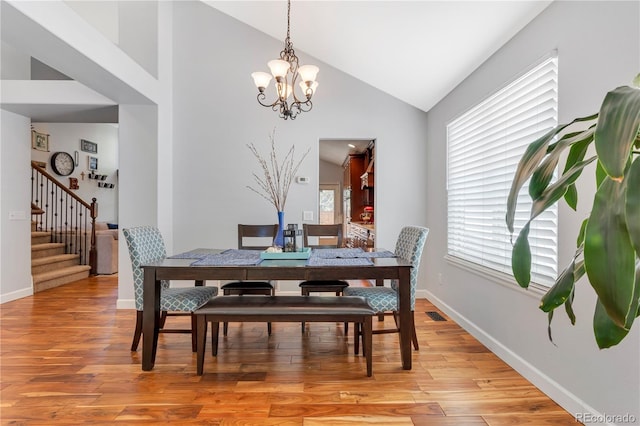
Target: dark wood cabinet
(358, 180)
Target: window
(484, 146)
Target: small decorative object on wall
(88, 146)
(93, 163)
(39, 141)
(62, 163)
(73, 183)
(76, 157)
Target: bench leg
(215, 330)
(201, 342)
(367, 346)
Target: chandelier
(286, 72)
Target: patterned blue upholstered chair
(385, 299)
(146, 245)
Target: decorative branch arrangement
(274, 185)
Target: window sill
(535, 290)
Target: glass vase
(279, 239)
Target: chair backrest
(145, 245)
(253, 232)
(331, 231)
(409, 247)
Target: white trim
(126, 304)
(554, 390)
(505, 280)
(15, 295)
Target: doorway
(345, 186)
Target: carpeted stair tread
(53, 259)
(46, 246)
(57, 273)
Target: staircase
(50, 266)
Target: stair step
(45, 250)
(49, 263)
(58, 277)
(40, 237)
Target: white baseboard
(15, 295)
(125, 304)
(546, 384)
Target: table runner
(230, 257)
(192, 254)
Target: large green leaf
(632, 204)
(521, 258)
(532, 156)
(559, 293)
(568, 307)
(580, 239)
(608, 253)
(617, 129)
(555, 191)
(606, 331)
(576, 153)
(544, 173)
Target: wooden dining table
(289, 269)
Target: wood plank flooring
(65, 360)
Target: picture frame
(39, 141)
(93, 163)
(88, 146)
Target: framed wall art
(39, 141)
(88, 146)
(93, 163)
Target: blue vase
(279, 239)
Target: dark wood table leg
(150, 318)
(406, 318)
(380, 283)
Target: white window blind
(484, 147)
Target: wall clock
(62, 163)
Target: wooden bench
(284, 309)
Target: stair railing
(67, 217)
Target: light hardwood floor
(65, 359)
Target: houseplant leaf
(632, 204)
(530, 160)
(576, 153)
(617, 129)
(544, 173)
(608, 253)
(559, 293)
(521, 258)
(607, 332)
(555, 191)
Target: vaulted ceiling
(416, 51)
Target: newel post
(93, 254)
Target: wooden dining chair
(252, 237)
(146, 245)
(328, 236)
(384, 300)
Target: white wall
(598, 49)
(15, 181)
(330, 173)
(66, 137)
(216, 114)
